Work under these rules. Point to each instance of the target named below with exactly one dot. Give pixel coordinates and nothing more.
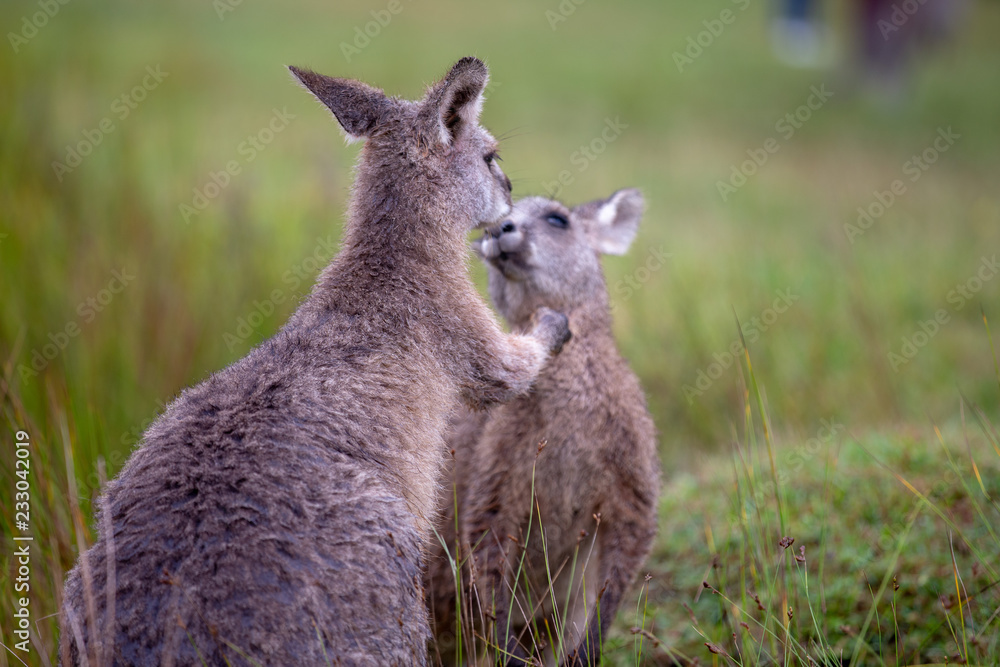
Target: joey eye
(557, 220)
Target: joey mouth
(503, 246)
(504, 262)
(509, 267)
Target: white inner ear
(474, 110)
(468, 114)
(606, 214)
(443, 134)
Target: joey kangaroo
(277, 513)
(595, 482)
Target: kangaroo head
(430, 155)
(544, 253)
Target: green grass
(840, 549)
(825, 358)
(890, 532)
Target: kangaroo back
(277, 512)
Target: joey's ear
(612, 223)
(358, 107)
(453, 103)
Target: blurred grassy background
(552, 91)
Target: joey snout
(552, 327)
(500, 240)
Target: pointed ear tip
(631, 193)
(633, 201)
(471, 66)
(471, 62)
(298, 73)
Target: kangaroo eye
(491, 156)
(557, 220)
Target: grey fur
(277, 513)
(596, 480)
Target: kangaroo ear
(612, 223)
(453, 104)
(358, 107)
